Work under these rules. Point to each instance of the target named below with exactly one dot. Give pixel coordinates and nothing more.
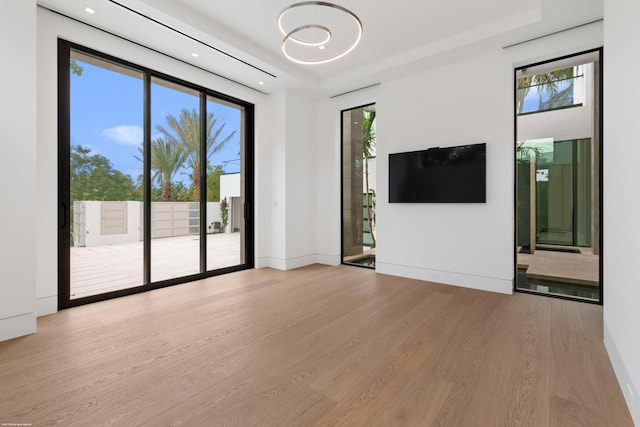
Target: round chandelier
(317, 32)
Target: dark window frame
(342, 142)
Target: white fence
(97, 223)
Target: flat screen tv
(439, 175)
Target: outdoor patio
(100, 269)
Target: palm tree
(548, 82)
(368, 151)
(185, 131)
(167, 158)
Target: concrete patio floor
(100, 269)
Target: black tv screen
(439, 175)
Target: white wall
(461, 244)
(230, 185)
(18, 173)
(293, 171)
(213, 214)
(300, 179)
(276, 188)
(51, 26)
(621, 196)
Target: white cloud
(124, 134)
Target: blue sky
(532, 100)
(107, 116)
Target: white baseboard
(301, 261)
(491, 284)
(47, 305)
(286, 264)
(17, 326)
(263, 262)
(328, 259)
(624, 379)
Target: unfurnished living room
(282, 213)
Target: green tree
(213, 182)
(224, 213)
(368, 152)
(75, 67)
(167, 158)
(93, 177)
(185, 131)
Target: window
(550, 90)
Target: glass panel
(106, 112)
(225, 184)
(358, 186)
(175, 169)
(551, 90)
(584, 179)
(555, 196)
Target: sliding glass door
(154, 179)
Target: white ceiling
(399, 36)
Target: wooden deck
(316, 346)
(580, 269)
(100, 269)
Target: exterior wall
(621, 196)
(19, 213)
(230, 185)
(93, 225)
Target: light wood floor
(317, 346)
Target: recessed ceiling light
(260, 83)
(195, 55)
(322, 47)
(89, 10)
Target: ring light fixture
(293, 36)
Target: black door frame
(64, 180)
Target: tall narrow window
(558, 108)
(359, 186)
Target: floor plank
(316, 346)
